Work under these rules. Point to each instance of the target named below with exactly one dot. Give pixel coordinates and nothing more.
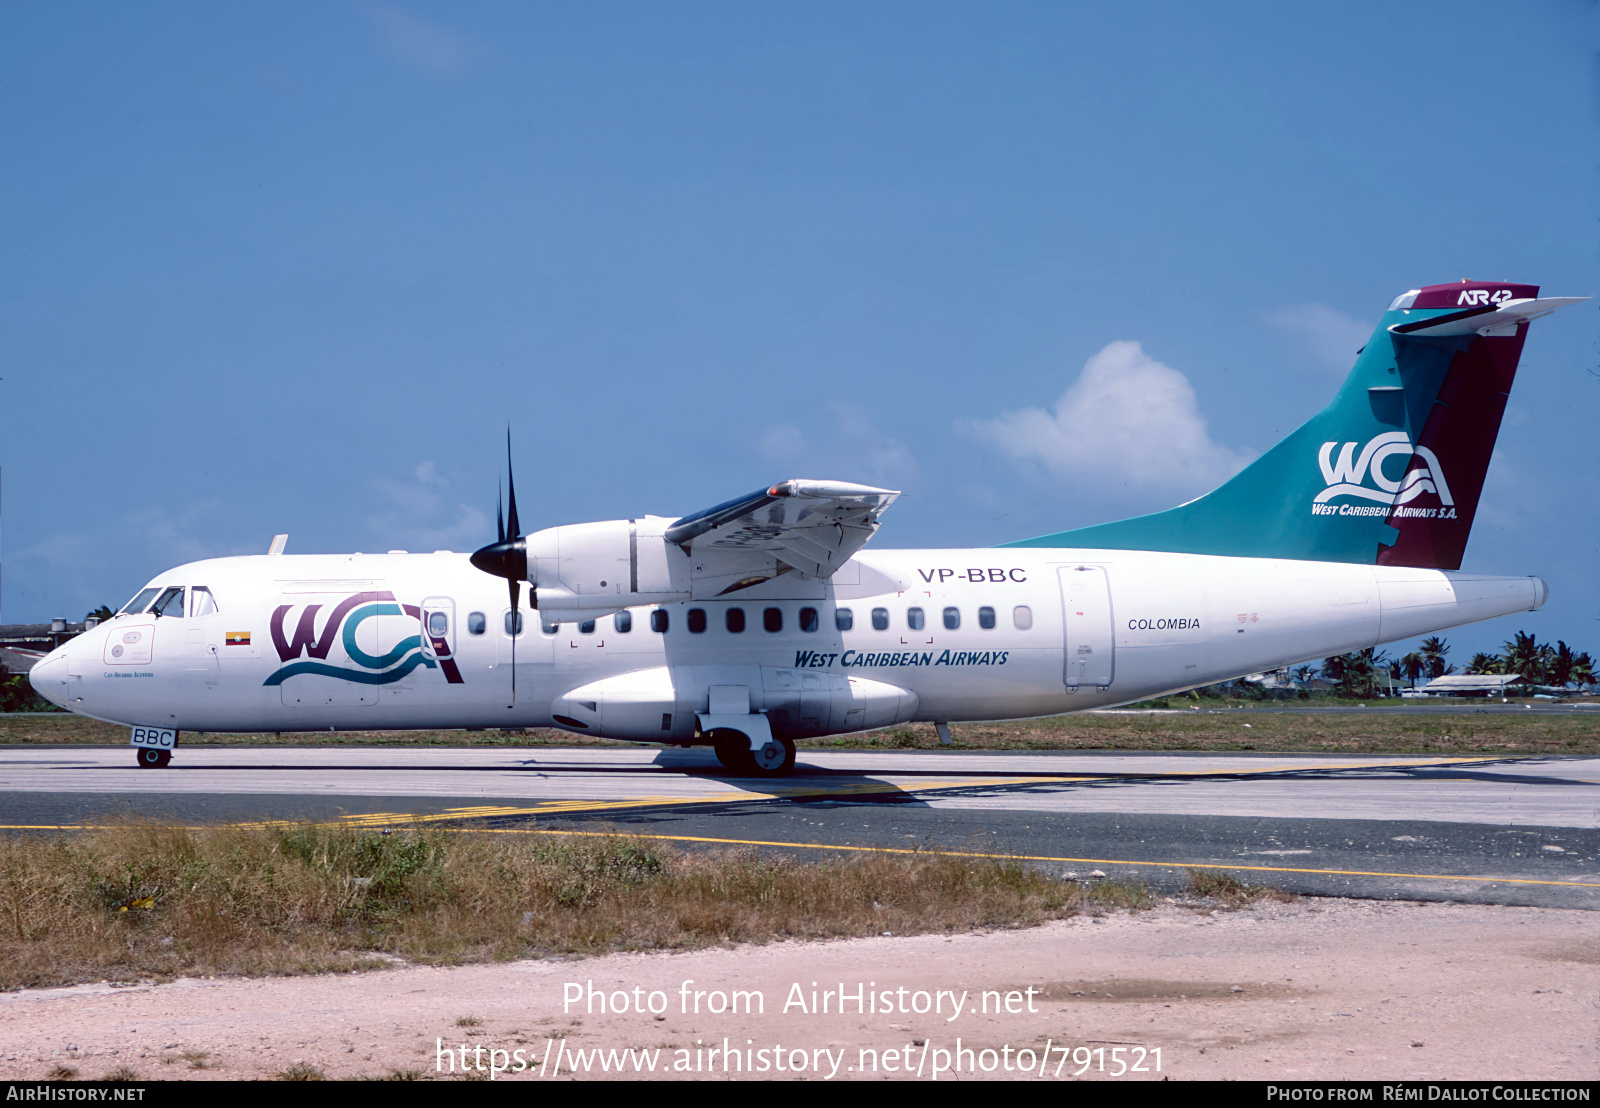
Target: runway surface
(1487, 830)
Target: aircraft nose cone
(49, 678)
(507, 559)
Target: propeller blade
(511, 480)
(499, 514)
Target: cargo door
(1086, 619)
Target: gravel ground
(1324, 989)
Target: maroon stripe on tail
(1460, 431)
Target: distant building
(1476, 684)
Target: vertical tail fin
(1390, 472)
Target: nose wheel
(151, 758)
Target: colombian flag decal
(238, 638)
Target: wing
(810, 526)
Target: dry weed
(141, 900)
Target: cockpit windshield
(170, 603)
(140, 602)
(201, 602)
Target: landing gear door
(1086, 617)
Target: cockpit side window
(140, 602)
(170, 603)
(201, 602)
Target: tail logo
(1481, 297)
(1349, 474)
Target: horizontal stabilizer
(1486, 321)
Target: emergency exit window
(658, 621)
(914, 618)
(476, 623)
(880, 619)
(623, 622)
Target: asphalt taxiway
(1474, 829)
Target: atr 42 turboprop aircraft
(761, 621)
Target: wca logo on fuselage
(1348, 474)
(343, 625)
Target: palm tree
(1560, 669)
(1583, 670)
(1412, 666)
(1524, 656)
(1486, 663)
(1433, 651)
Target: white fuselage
(1036, 632)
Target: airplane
(763, 620)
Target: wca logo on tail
(342, 625)
(1348, 474)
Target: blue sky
(294, 267)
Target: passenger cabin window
(546, 626)
(808, 619)
(914, 618)
(952, 619)
(476, 623)
(844, 619)
(201, 602)
(438, 624)
(170, 603)
(986, 618)
(772, 619)
(586, 627)
(880, 619)
(735, 620)
(697, 621)
(623, 622)
(140, 602)
(658, 621)
(1022, 616)
(513, 622)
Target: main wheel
(733, 751)
(774, 759)
(151, 758)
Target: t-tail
(1390, 472)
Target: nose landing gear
(151, 758)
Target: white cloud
(1331, 336)
(849, 448)
(417, 41)
(884, 459)
(781, 445)
(419, 514)
(1128, 421)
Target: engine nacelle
(596, 568)
(661, 704)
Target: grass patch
(1216, 885)
(142, 900)
(1218, 725)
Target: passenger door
(1087, 621)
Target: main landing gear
(774, 759)
(151, 758)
